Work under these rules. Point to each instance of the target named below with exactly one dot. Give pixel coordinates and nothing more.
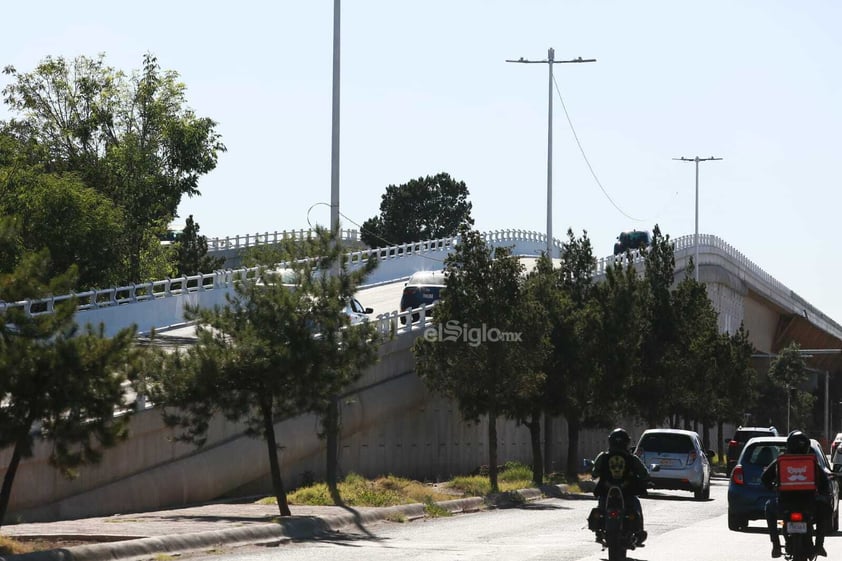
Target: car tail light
(737, 475)
(732, 444)
(691, 457)
(796, 517)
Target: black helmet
(797, 443)
(618, 440)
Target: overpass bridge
(741, 291)
(390, 422)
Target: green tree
(78, 225)
(695, 369)
(575, 369)
(788, 372)
(426, 208)
(738, 382)
(271, 352)
(543, 287)
(652, 390)
(192, 251)
(486, 375)
(58, 383)
(132, 138)
(620, 299)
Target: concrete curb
(286, 529)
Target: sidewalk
(144, 535)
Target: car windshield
(666, 442)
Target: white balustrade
(398, 262)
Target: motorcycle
(615, 526)
(798, 535)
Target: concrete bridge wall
(390, 424)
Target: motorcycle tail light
(614, 514)
(796, 517)
(737, 476)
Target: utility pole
(549, 62)
(331, 420)
(334, 143)
(696, 239)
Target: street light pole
(696, 238)
(549, 62)
(334, 141)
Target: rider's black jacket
(620, 468)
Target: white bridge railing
(160, 304)
(246, 241)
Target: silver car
(684, 464)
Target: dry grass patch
(355, 490)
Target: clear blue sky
(425, 89)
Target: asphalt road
(680, 528)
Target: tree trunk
(573, 427)
(492, 451)
(331, 426)
(9, 478)
(720, 441)
(274, 466)
(548, 443)
(534, 426)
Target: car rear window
(669, 443)
(763, 454)
(745, 436)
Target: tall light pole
(549, 62)
(334, 144)
(696, 239)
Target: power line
(593, 173)
(361, 229)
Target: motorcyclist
(618, 466)
(820, 500)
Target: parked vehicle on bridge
(741, 436)
(357, 312)
(683, 464)
(423, 287)
(747, 495)
(631, 241)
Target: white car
(684, 464)
(357, 312)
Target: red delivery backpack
(797, 472)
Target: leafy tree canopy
(426, 208)
(131, 138)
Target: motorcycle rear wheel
(801, 549)
(616, 551)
